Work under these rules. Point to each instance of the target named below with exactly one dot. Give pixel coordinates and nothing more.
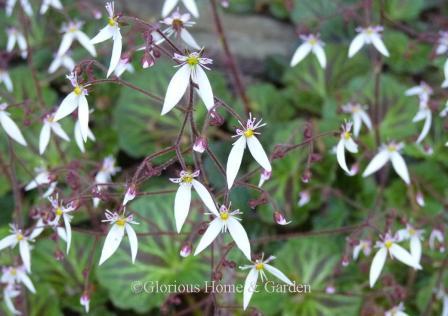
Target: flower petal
(351, 146)
(68, 105)
(366, 119)
(7, 81)
(377, 163)
(258, 153)
(83, 116)
(340, 155)
(78, 137)
(234, 160)
(191, 6)
(24, 249)
(84, 40)
(416, 248)
(116, 52)
(250, 285)
(182, 205)
(188, 39)
(426, 127)
(55, 64)
(277, 273)
(402, 255)
(112, 242)
(26, 281)
(176, 88)
(239, 235)
(8, 241)
(67, 40)
(320, 54)
(379, 44)
(104, 34)
(168, 6)
(301, 52)
(205, 196)
(357, 43)
(44, 138)
(57, 129)
(210, 234)
(133, 241)
(11, 128)
(377, 265)
(68, 230)
(205, 89)
(400, 167)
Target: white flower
(190, 69)
(367, 36)
(169, 5)
(17, 275)
(9, 292)
(345, 142)
(85, 301)
(42, 177)
(124, 65)
(130, 194)
(437, 240)
(14, 36)
(78, 136)
(258, 268)
(104, 175)
(26, 6)
(304, 198)
(396, 311)
(50, 3)
(389, 152)
(120, 225)
(311, 44)
(177, 24)
(389, 246)
(264, 176)
(6, 80)
(424, 113)
(365, 246)
(423, 91)
(72, 31)
(18, 238)
(246, 137)
(183, 196)
(9, 126)
(415, 237)
(75, 100)
(359, 116)
(64, 60)
(111, 30)
(50, 126)
(62, 211)
(224, 219)
(442, 44)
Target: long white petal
(24, 249)
(377, 163)
(416, 248)
(340, 155)
(8, 82)
(10, 305)
(400, 167)
(168, 6)
(27, 7)
(258, 153)
(249, 286)
(356, 45)
(182, 205)
(210, 234)
(277, 273)
(176, 88)
(68, 105)
(301, 52)
(68, 230)
(57, 129)
(112, 242)
(366, 119)
(44, 138)
(83, 116)
(104, 34)
(351, 146)
(55, 64)
(239, 235)
(116, 52)
(205, 89)
(426, 127)
(67, 40)
(191, 6)
(78, 137)
(11, 128)
(27, 282)
(205, 197)
(377, 265)
(8, 241)
(320, 54)
(61, 233)
(84, 40)
(133, 241)
(356, 124)
(379, 44)
(187, 38)
(404, 256)
(234, 160)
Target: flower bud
(280, 219)
(185, 250)
(85, 301)
(264, 176)
(131, 192)
(420, 199)
(200, 144)
(147, 60)
(304, 198)
(306, 176)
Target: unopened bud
(200, 144)
(185, 250)
(280, 219)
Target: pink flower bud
(85, 301)
(306, 176)
(304, 198)
(185, 251)
(280, 219)
(330, 289)
(264, 176)
(345, 261)
(147, 60)
(131, 192)
(200, 144)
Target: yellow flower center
(369, 31)
(112, 21)
(187, 178)
(259, 266)
(312, 41)
(388, 244)
(59, 211)
(121, 221)
(224, 215)
(13, 271)
(411, 231)
(192, 60)
(19, 237)
(177, 24)
(347, 135)
(72, 29)
(391, 148)
(249, 132)
(77, 90)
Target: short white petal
(249, 286)
(205, 89)
(133, 241)
(301, 52)
(168, 6)
(340, 155)
(356, 251)
(191, 6)
(416, 248)
(11, 128)
(112, 242)
(176, 88)
(182, 205)
(57, 129)
(24, 249)
(85, 41)
(377, 163)
(377, 265)
(68, 230)
(44, 138)
(400, 167)
(379, 44)
(277, 273)
(404, 256)
(205, 197)
(188, 39)
(104, 34)
(356, 45)
(68, 105)
(83, 116)
(116, 52)
(320, 54)
(210, 234)
(234, 160)
(8, 241)
(239, 235)
(258, 153)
